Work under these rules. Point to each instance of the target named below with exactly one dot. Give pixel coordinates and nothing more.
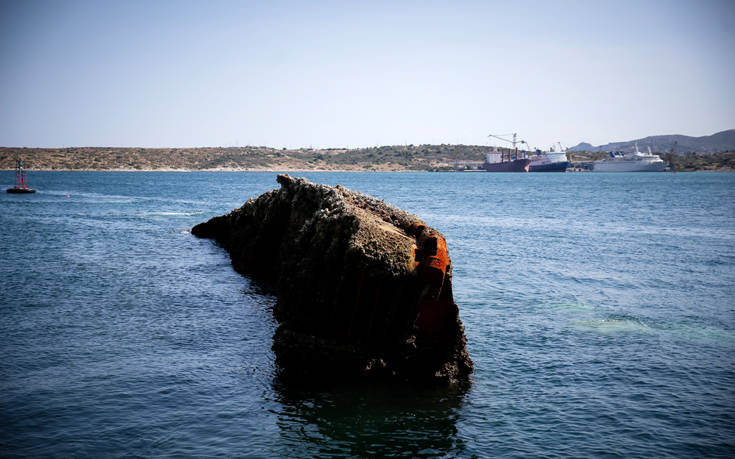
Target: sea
(599, 311)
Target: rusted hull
(364, 288)
(517, 165)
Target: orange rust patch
(434, 308)
(434, 266)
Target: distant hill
(719, 142)
(385, 158)
(584, 146)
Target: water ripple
(598, 312)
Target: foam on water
(609, 325)
(163, 213)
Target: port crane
(514, 141)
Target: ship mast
(513, 142)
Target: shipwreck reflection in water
(370, 419)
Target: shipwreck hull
(364, 289)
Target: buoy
(68, 196)
(21, 181)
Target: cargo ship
(21, 181)
(496, 161)
(507, 161)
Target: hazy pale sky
(362, 73)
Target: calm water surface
(599, 312)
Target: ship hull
(628, 166)
(517, 165)
(560, 166)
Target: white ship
(630, 162)
(550, 161)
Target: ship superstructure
(549, 161)
(630, 162)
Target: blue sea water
(598, 308)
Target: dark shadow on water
(259, 287)
(369, 419)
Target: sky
(362, 73)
